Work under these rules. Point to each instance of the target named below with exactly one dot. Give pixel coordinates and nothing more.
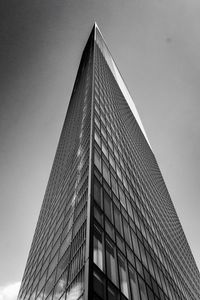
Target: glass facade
(107, 227)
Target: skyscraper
(107, 227)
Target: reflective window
(122, 197)
(118, 221)
(98, 284)
(106, 173)
(97, 122)
(97, 160)
(133, 284)
(111, 262)
(97, 138)
(97, 248)
(104, 149)
(112, 293)
(109, 229)
(119, 174)
(98, 215)
(143, 291)
(135, 243)
(111, 160)
(114, 185)
(123, 276)
(127, 232)
(97, 192)
(108, 207)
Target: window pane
(127, 232)
(108, 207)
(104, 149)
(120, 243)
(112, 162)
(112, 293)
(98, 284)
(106, 173)
(97, 248)
(110, 262)
(97, 138)
(135, 243)
(133, 284)
(97, 160)
(122, 197)
(129, 209)
(97, 192)
(97, 122)
(114, 185)
(123, 276)
(109, 229)
(118, 221)
(98, 215)
(119, 174)
(142, 289)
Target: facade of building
(107, 227)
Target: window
(135, 243)
(142, 289)
(104, 150)
(98, 215)
(125, 182)
(111, 262)
(120, 243)
(109, 229)
(98, 284)
(115, 152)
(106, 173)
(133, 283)
(143, 255)
(127, 232)
(97, 122)
(112, 293)
(122, 197)
(110, 144)
(97, 192)
(97, 248)
(129, 209)
(119, 174)
(123, 276)
(103, 132)
(118, 221)
(97, 138)
(97, 160)
(108, 207)
(111, 160)
(114, 186)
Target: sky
(156, 46)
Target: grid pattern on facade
(128, 224)
(55, 266)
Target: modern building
(107, 227)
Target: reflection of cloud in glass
(60, 287)
(75, 292)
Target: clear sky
(156, 46)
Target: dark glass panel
(98, 248)
(108, 207)
(123, 276)
(118, 220)
(98, 284)
(111, 262)
(142, 287)
(134, 284)
(97, 192)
